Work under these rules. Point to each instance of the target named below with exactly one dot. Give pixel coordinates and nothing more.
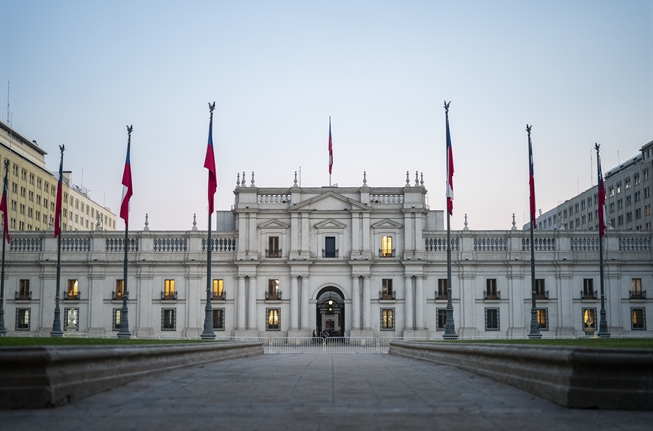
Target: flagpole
(450, 327)
(603, 324)
(56, 324)
(330, 152)
(3, 329)
(208, 333)
(535, 328)
(124, 320)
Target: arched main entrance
(330, 313)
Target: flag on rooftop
(57, 214)
(209, 163)
(531, 179)
(127, 190)
(449, 165)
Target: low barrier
(576, 377)
(45, 376)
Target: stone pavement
(319, 392)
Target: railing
(386, 296)
(591, 294)
(273, 297)
(584, 244)
(22, 296)
(26, 244)
(117, 296)
(490, 244)
(387, 199)
(542, 295)
(170, 296)
(118, 244)
(219, 297)
(440, 295)
(440, 244)
(330, 253)
(75, 244)
(638, 294)
(273, 198)
(491, 296)
(273, 253)
(387, 253)
(635, 244)
(334, 345)
(72, 297)
(221, 244)
(541, 244)
(170, 244)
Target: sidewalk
(319, 392)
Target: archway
(330, 312)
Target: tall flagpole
(56, 324)
(450, 327)
(535, 328)
(209, 163)
(603, 324)
(5, 238)
(124, 320)
(330, 152)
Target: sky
(580, 72)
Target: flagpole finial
(62, 148)
(211, 107)
(130, 129)
(528, 129)
(597, 147)
(446, 106)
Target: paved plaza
(319, 392)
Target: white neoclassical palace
(354, 261)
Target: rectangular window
(23, 290)
(620, 220)
(273, 293)
(272, 319)
(618, 187)
(636, 289)
(442, 318)
(386, 246)
(628, 200)
(38, 183)
(71, 319)
(330, 246)
(168, 319)
(540, 289)
(386, 289)
(638, 196)
(22, 319)
(589, 318)
(492, 319)
(169, 292)
(442, 289)
(629, 217)
(647, 210)
(116, 319)
(627, 183)
(610, 191)
(387, 319)
(582, 205)
(543, 318)
(73, 290)
(120, 289)
(611, 207)
(637, 319)
(645, 174)
(588, 289)
(636, 179)
(491, 289)
(218, 319)
(218, 289)
(620, 204)
(273, 247)
(647, 192)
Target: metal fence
(323, 345)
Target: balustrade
(387, 199)
(170, 244)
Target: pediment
(387, 224)
(273, 224)
(330, 224)
(329, 201)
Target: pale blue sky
(579, 71)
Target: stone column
(251, 304)
(419, 302)
(294, 304)
(355, 303)
(241, 303)
(408, 302)
(366, 302)
(304, 304)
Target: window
(386, 246)
(627, 183)
(588, 289)
(491, 319)
(330, 247)
(218, 289)
(273, 247)
(386, 289)
(116, 319)
(582, 205)
(636, 289)
(636, 179)
(120, 289)
(22, 319)
(589, 318)
(619, 187)
(610, 191)
(442, 318)
(540, 289)
(584, 219)
(647, 210)
(576, 208)
(491, 289)
(31, 196)
(38, 183)
(620, 204)
(31, 179)
(628, 200)
(22, 192)
(218, 319)
(168, 319)
(638, 196)
(620, 220)
(645, 174)
(71, 319)
(543, 318)
(15, 170)
(589, 202)
(637, 318)
(73, 290)
(611, 206)
(590, 216)
(442, 289)
(647, 192)
(23, 174)
(273, 293)
(23, 290)
(14, 188)
(30, 212)
(629, 217)
(169, 292)
(272, 319)
(387, 319)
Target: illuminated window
(23, 290)
(589, 318)
(636, 289)
(71, 319)
(168, 319)
(637, 318)
(116, 319)
(386, 246)
(73, 290)
(272, 319)
(169, 289)
(273, 293)
(120, 289)
(386, 289)
(543, 318)
(492, 319)
(388, 319)
(218, 319)
(442, 289)
(22, 319)
(218, 289)
(442, 318)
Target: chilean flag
(209, 163)
(531, 179)
(127, 190)
(3, 207)
(330, 149)
(449, 166)
(602, 213)
(57, 215)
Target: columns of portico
(305, 324)
(355, 303)
(241, 303)
(294, 304)
(419, 303)
(408, 302)
(366, 302)
(251, 303)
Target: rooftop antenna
(618, 160)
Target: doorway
(330, 313)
